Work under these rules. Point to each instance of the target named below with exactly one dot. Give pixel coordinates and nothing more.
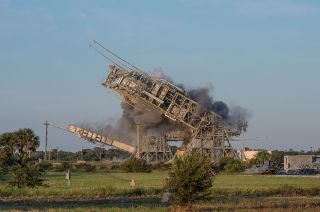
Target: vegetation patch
(136, 165)
(190, 178)
(15, 150)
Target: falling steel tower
(153, 149)
(208, 131)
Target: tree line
(94, 154)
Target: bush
(190, 178)
(160, 166)
(136, 165)
(66, 165)
(234, 166)
(90, 168)
(59, 168)
(223, 162)
(44, 165)
(115, 166)
(230, 165)
(2, 171)
(29, 175)
(86, 166)
(260, 157)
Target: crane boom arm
(95, 137)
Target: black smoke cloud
(236, 116)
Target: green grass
(120, 180)
(215, 204)
(103, 184)
(261, 204)
(110, 190)
(88, 185)
(261, 182)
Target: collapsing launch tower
(205, 131)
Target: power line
(132, 66)
(108, 58)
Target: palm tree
(15, 149)
(7, 150)
(26, 141)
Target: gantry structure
(207, 131)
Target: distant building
(250, 154)
(296, 162)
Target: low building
(296, 162)
(250, 154)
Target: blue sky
(262, 55)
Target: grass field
(106, 183)
(239, 204)
(111, 189)
(264, 181)
(87, 185)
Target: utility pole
(81, 150)
(46, 124)
(49, 154)
(242, 156)
(138, 140)
(57, 154)
(243, 139)
(100, 152)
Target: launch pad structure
(153, 149)
(205, 131)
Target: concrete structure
(296, 162)
(94, 137)
(250, 154)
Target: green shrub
(59, 168)
(2, 171)
(86, 167)
(66, 165)
(90, 168)
(260, 157)
(44, 165)
(115, 166)
(101, 166)
(234, 166)
(231, 165)
(28, 175)
(223, 162)
(190, 178)
(136, 165)
(160, 166)
(136, 192)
